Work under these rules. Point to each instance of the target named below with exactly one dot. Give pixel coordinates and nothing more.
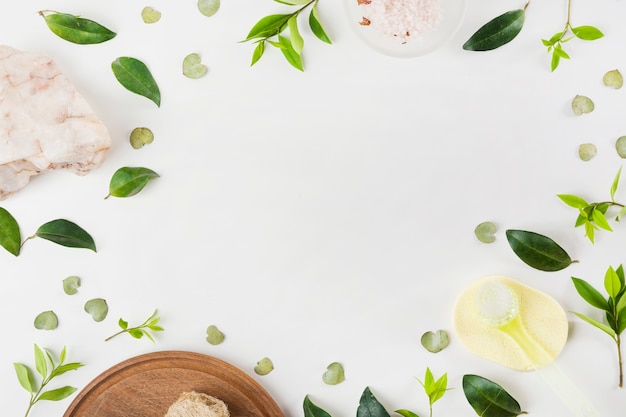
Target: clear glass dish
(450, 17)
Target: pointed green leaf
(538, 251)
(294, 33)
(289, 53)
(558, 49)
(406, 413)
(590, 231)
(612, 283)
(41, 363)
(258, 52)
(587, 33)
(488, 399)
(293, 2)
(556, 59)
(590, 294)
(76, 29)
(316, 25)
(369, 406)
(57, 394)
(615, 183)
(10, 236)
(66, 233)
(24, 376)
(573, 200)
(60, 370)
(135, 76)
(128, 181)
(605, 328)
(497, 32)
(268, 26)
(600, 220)
(312, 410)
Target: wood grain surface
(146, 385)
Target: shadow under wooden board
(146, 385)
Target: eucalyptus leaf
(214, 336)
(129, 181)
(193, 67)
(10, 236)
(587, 151)
(208, 7)
(485, 232)
(488, 399)
(135, 76)
(538, 251)
(71, 285)
(66, 233)
(264, 366)
(46, 320)
(620, 146)
(497, 32)
(97, 308)
(334, 374)
(150, 15)
(613, 79)
(141, 136)
(76, 29)
(369, 406)
(435, 341)
(582, 105)
(312, 410)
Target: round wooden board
(146, 385)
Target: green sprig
(144, 329)
(434, 389)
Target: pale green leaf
(573, 200)
(297, 42)
(605, 328)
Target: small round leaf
(71, 285)
(47, 320)
(485, 232)
(264, 366)
(97, 308)
(150, 15)
(334, 374)
(587, 151)
(620, 146)
(213, 335)
(582, 105)
(613, 79)
(193, 67)
(141, 136)
(208, 7)
(435, 341)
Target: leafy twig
(43, 361)
(269, 30)
(614, 308)
(151, 324)
(434, 389)
(593, 215)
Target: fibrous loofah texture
(197, 404)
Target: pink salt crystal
(45, 124)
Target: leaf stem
(619, 361)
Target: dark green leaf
(76, 29)
(590, 294)
(25, 377)
(489, 399)
(587, 33)
(10, 236)
(135, 76)
(312, 410)
(66, 233)
(497, 32)
(369, 406)
(316, 25)
(57, 394)
(258, 52)
(268, 26)
(128, 181)
(290, 53)
(538, 251)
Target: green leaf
(312, 410)
(485, 232)
(612, 283)
(60, 370)
(135, 76)
(10, 236)
(268, 26)
(554, 62)
(558, 49)
(66, 233)
(76, 29)
(582, 105)
(573, 200)
(296, 39)
(369, 406)
(497, 32)
(41, 363)
(600, 220)
(24, 376)
(46, 320)
(293, 2)
(264, 366)
(615, 183)
(136, 333)
(208, 7)
(590, 294)
(289, 53)
(334, 374)
(407, 413)
(258, 52)
(97, 308)
(587, 33)
(57, 394)
(538, 251)
(193, 68)
(488, 399)
(316, 25)
(214, 335)
(128, 181)
(590, 231)
(605, 328)
(435, 341)
(71, 285)
(613, 79)
(122, 323)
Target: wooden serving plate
(146, 385)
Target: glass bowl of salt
(405, 28)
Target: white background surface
(320, 216)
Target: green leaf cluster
(489, 399)
(270, 29)
(144, 329)
(434, 389)
(593, 216)
(555, 43)
(613, 306)
(60, 231)
(538, 251)
(47, 369)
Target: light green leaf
(587, 33)
(57, 394)
(587, 151)
(214, 336)
(258, 52)
(140, 136)
(615, 183)
(208, 7)
(334, 374)
(61, 369)
(97, 308)
(316, 25)
(71, 285)
(46, 320)
(435, 341)
(24, 376)
(129, 181)
(573, 200)
(76, 29)
(150, 15)
(605, 328)
(582, 105)
(485, 232)
(620, 146)
(268, 26)
(296, 39)
(41, 363)
(10, 236)
(612, 283)
(264, 366)
(193, 67)
(289, 53)
(406, 413)
(613, 79)
(497, 32)
(135, 76)
(66, 233)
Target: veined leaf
(135, 76)
(538, 251)
(587, 33)
(489, 399)
(605, 328)
(57, 394)
(10, 236)
(66, 233)
(615, 183)
(316, 25)
(573, 200)
(76, 29)
(268, 26)
(497, 32)
(312, 410)
(296, 39)
(61, 369)
(41, 364)
(612, 283)
(599, 219)
(290, 53)
(590, 294)
(128, 181)
(24, 376)
(369, 406)
(258, 52)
